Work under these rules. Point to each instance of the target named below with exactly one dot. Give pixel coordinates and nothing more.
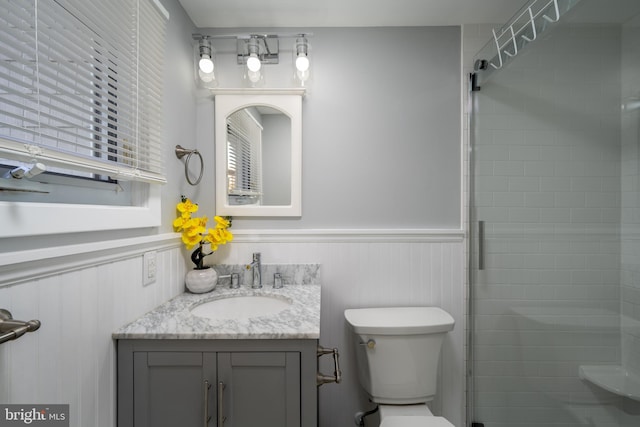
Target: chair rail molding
(26, 265)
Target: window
(244, 158)
(81, 89)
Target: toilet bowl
(398, 351)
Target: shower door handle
(480, 245)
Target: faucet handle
(256, 256)
(235, 280)
(277, 281)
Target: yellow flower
(194, 231)
(186, 206)
(221, 222)
(228, 236)
(178, 223)
(190, 241)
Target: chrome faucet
(256, 266)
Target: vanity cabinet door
(170, 388)
(260, 389)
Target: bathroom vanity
(178, 368)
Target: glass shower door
(554, 220)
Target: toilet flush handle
(370, 344)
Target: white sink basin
(241, 307)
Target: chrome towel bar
(11, 329)
(337, 373)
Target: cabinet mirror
(258, 146)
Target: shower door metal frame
(471, 252)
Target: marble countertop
(173, 319)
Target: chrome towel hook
(180, 153)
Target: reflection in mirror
(258, 154)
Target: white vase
(201, 281)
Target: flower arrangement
(194, 231)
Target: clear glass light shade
(206, 77)
(254, 76)
(303, 76)
(302, 70)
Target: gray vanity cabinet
(232, 383)
(169, 388)
(260, 389)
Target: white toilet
(398, 350)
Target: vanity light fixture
(253, 51)
(254, 75)
(253, 61)
(301, 60)
(205, 61)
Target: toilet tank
(398, 351)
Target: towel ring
(180, 153)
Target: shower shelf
(613, 378)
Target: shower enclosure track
(525, 27)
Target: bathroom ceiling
(346, 13)
(370, 13)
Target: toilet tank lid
(399, 320)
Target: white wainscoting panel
(370, 273)
(71, 358)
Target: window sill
(21, 219)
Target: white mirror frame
(228, 102)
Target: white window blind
(81, 85)
(244, 158)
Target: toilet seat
(413, 421)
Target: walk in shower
(554, 274)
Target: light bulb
(253, 63)
(206, 64)
(302, 63)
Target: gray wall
(381, 128)
(179, 110)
